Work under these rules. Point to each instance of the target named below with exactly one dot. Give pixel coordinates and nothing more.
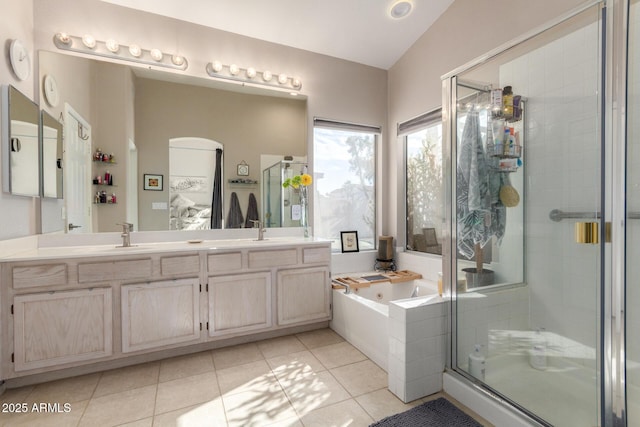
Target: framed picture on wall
(349, 241)
(152, 182)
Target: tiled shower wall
(562, 171)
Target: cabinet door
(160, 313)
(239, 303)
(303, 295)
(55, 328)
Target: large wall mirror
(20, 144)
(51, 149)
(130, 115)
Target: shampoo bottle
(538, 352)
(477, 363)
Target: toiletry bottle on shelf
(477, 363)
(538, 352)
(505, 140)
(507, 102)
(517, 108)
(440, 285)
(496, 103)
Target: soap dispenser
(477, 363)
(538, 352)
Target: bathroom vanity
(70, 307)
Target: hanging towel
(216, 200)
(252, 211)
(234, 218)
(480, 213)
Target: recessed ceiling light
(400, 9)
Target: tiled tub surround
(405, 336)
(78, 309)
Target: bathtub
(362, 316)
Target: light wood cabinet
(55, 328)
(303, 295)
(59, 314)
(239, 303)
(160, 313)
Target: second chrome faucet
(261, 230)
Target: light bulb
(217, 66)
(177, 60)
(112, 45)
(282, 78)
(89, 41)
(296, 83)
(156, 55)
(251, 72)
(266, 76)
(64, 38)
(400, 9)
(234, 69)
(135, 50)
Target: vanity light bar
(252, 76)
(112, 49)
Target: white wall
(18, 215)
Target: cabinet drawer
(179, 265)
(275, 258)
(39, 275)
(114, 270)
(316, 255)
(217, 263)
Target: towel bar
(558, 215)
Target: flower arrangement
(304, 180)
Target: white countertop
(23, 253)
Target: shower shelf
(497, 150)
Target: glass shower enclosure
(525, 151)
(278, 203)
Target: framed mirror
(51, 149)
(20, 144)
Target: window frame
(404, 129)
(376, 132)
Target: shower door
(525, 263)
(633, 219)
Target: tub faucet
(127, 228)
(261, 230)
(347, 288)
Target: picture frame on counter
(349, 241)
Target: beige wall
(468, 29)
(18, 215)
(247, 126)
(73, 76)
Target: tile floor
(309, 379)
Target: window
(344, 165)
(424, 182)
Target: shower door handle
(588, 232)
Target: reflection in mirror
(20, 144)
(51, 135)
(143, 108)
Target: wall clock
(20, 61)
(51, 90)
(243, 169)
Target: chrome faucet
(261, 230)
(347, 288)
(127, 228)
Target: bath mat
(435, 413)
